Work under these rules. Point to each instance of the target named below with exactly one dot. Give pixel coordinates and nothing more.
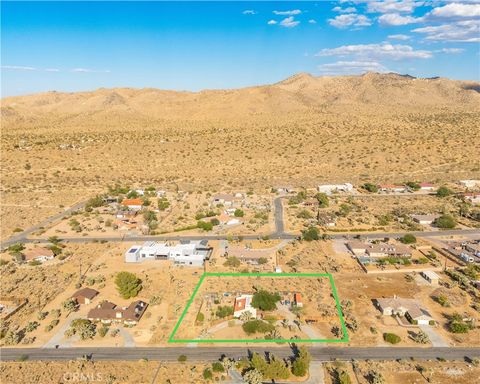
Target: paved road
(282, 236)
(279, 225)
(22, 236)
(215, 353)
(279, 232)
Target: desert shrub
(322, 199)
(182, 358)
(445, 222)
(200, 317)
(207, 374)
(232, 261)
(301, 363)
(391, 338)
(238, 213)
(408, 239)
(257, 326)
(224, 311)
(443, 192)
(370, 187)
(218, 367)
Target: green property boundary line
(345, 338)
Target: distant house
(424, 219)
(225, 219)
(228, 200)
(431, 277)
(190, 254)
(328, 189)
(474, 248)
(427, 187)
(409, 308)
(327, 220)
(358, 248)
(472, 197)
(386, 250)
(243, 304)
(134, 204)
(297, 300)
(392, 188)
(84, 295)
(284, 189)
(40, 254)
(469, 183)
(107, 312)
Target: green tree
(69, 305)
(265, 300)
(372, 188)
(277, 369)
(310, 234)
(413, 185)
(207, 374)
(84, 328)
(16, 248)
(128, 284)
(238, 213)
(205, 225)
(218, 367)
(322, 199)
(408, 239)
(257, 326)
(343, 377)
(224, 311)
(445, 222)
(200, 317)
(302, 362)
(443, 192)
(163, 204)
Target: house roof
(297, 297)
(37, 252)
(431, 275)
(240, 303)
(426, 185)
(108, 311)
(391, 186)
(431, 217)
(128, 202)
(87, 293)
(410, 305)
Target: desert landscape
(61, 148)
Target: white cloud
(289, 22)
(352, 68)
(288, 13)
(372, 51)
(348, 20)
(272, 22)
(455, 11)
(397, 6)
(312, 21)
(467, 31)
(344, 10)
(18, 68)
(85, 70)
(399, 37)
(249, 12)
(451, 50)
(52, 70)
(396, 19)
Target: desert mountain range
(299, 93)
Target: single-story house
(470, 183)
(385, 250)
(226, 219)
(285, 189)
(243, 304)
(358, 248)
(84, 295)
(107, 312)
(424, 219)
(227, 199)
(39, 254)
(472, 197)
(427, 187)
(409, 308)
(473, 248)
(297, 300)
(190, 254)
(392, 188)
(431, 277)
(134, 204)
(328, 189)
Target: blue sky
(74, 46)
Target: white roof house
(331, 188)
(424, 219)
(243, 304)
(192, 253)
(470, 183)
